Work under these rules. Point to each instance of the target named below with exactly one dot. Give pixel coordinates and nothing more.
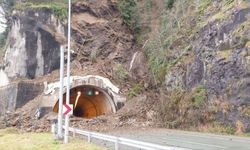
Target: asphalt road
(190, 140)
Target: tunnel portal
(91, 96)
(89, 102)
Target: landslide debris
(103, 45)
(100, 38)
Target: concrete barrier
(17, 94)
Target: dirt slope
(101, 42)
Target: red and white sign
(67, 109)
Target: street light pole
(60, 111)
(66, 133)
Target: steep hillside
(182, 63)
(101, 43)
(198, 52)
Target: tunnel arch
(109, 100)
(98, 103)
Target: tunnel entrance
(89, 102)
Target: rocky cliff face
(203, 45)
(223, 53)
(32, 50)
(222, 61)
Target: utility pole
(60, 111)
(66, 133)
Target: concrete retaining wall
(27, 91)
(8, 95)
(15, 95)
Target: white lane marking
(189, 142)
(221, 137)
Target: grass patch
(199, 96)
(248, 44)
(8, 131)
(13, 140)
(246, 135)
(183, 109)
(119, 72)
(159, 66)
(217, 127)
(59, 9)
(93, 56)
(220, 15)
(148, 5)
(239, 31)
(203, 6)
(225, 54)
(245, 111)
(169, 4)
(127, 9)
(135, 90)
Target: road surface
(190, 140)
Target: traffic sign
(67, 109)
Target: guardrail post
(117, 144)
(74, 133)
(89, 137)
(117, 140)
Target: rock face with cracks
(219, 62)
(32, 49)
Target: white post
(60, 111)
(74, 133)
(117, 144)
(53, 128)
(66, 133)
(89, 137)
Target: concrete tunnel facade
(91, 96)
(91, 102)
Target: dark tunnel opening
(89, 102)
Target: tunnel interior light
(97, 92)
(89, 93)
(89, 102)
(77, 98)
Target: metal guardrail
(122, 141)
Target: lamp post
(66, 132)
(60, 111)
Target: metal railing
(122, 141)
